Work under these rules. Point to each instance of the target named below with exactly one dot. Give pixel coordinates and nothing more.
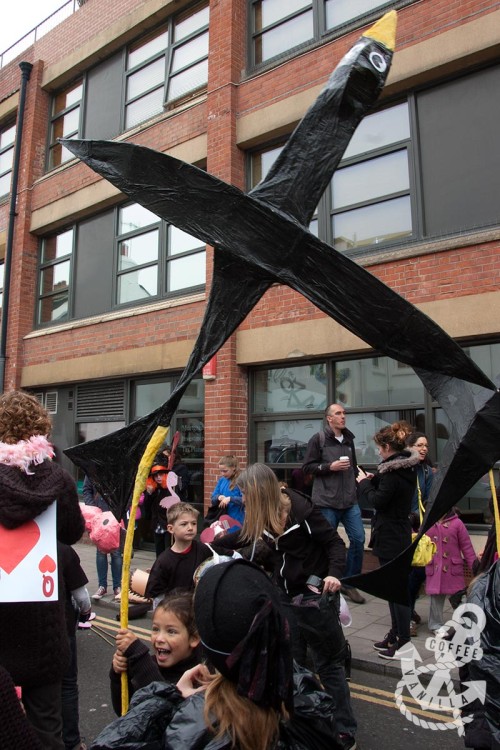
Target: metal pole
(26, 68)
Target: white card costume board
(28, 560)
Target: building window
(186, 261)
(166, 65)
(65, 122)
(369, 201)
(278, 27)
(155, 258)
(370, 192)
(7, 139)
(125, 255)
(55, 274)
(138, 254)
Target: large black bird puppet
(261, 238)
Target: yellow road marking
(392, 702)
(116, 625)
(112, 626)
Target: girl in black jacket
(390, 492)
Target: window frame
(320, 31)
(325, 211)
(168, 54)
(44, 265)
(55, 116)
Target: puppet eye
(378, 61)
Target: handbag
(213, 514)
(426, 548)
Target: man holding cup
(331, 459)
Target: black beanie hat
(244, 631)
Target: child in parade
(174, 568)
(174, 641)
(445, 572)
(227, 495)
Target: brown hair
(178, 509)
(21, 416)
(232, 463)
(262, 501)
(250, 727)
(394, 435)
(180, 602)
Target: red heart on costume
(15, 544)
(47, 565)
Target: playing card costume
(33, 636)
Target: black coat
(34, 642)
(309, 546)
(390, 492)
(160, 719)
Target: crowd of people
(247, 646)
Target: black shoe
(396, 651)
(416, 618)
(389, 640)
(353, 594)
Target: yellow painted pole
(496, 512)
(145, 464)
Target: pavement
(370, 621)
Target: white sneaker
(101, 591)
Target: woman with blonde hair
(390, 491)
(306, 557)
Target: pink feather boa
(32, 451)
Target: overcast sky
(20, 16)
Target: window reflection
(375, 224)
(340, 11)
(369, 179)
(282, 38)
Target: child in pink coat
(445, 573)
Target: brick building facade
(106, 300)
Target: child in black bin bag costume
(257, 700)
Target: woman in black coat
(34, 645)
(390, 492)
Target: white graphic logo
(458, 643)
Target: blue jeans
(353, 525)
(101, 561)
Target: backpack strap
(322, 438)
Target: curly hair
(394, 435)
(21, 416)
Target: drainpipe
(26, 68)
